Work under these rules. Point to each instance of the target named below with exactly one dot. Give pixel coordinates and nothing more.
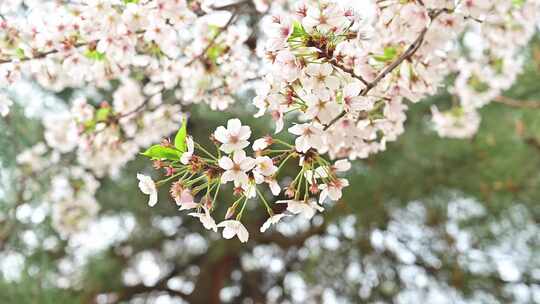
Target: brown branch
(230, 6)
(351, 72)
(533, 142)
(407, 55)
(514, 103)
(41, 55)
(212, 42)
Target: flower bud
(230, 212)
(208, 202)
(314, 189)
(158, 164)
(238, 191)
(290, 191)
(176, 191)
(169, 171)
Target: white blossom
(148, 187)
(233, 228)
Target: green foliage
(159, 152)
(298, 31)
(388, 55)
(94, 55)
(180, 138)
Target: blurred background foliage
(393, 227)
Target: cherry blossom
(310, 136)
(234, 228)
(264, 167)
(273, 220)
(456, 123)
(148, 187)
(236, 168)
(234, 137)
(5, 103)
(72, 215)
(186, 156)
(207, 220)
(333, 189)
(305, 209)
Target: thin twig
(335, 63)
(411, 50)
(213, 40)
(42, 55)
(524, 104)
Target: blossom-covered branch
(338, 77)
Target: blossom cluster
(71, 189)
(348, 77)
(488, 62)
(171, 43)
(197, 175)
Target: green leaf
(161, 152)
(477, 84)
(215, 51)
(298, 31)
(103, 114)
(388, 55)
(20, 53)
(94, 55)
(89, 125)
(518, 3)
(180, 139)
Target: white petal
(226, 163)
(234, 125)
(221, 135)
(153, 199)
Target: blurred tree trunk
(214, 273)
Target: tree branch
(524, 104)
(411, 50)
(41, 55)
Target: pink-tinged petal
(247, 164)
(297, 129)
(302, 145)
(234, 125)
(227, 176)
(221, 135)
(241, 179)
(279, 125)
(313, 69)
(243, 234)
(228, 148)
(188, 206)
(228, 233)
(324, 194)
(260, 144)
(244, 133)
(226, 163)
(332, 82)
(326, 69)
(153, 199)
(275, 188)
(239, 156)
(352, 90)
